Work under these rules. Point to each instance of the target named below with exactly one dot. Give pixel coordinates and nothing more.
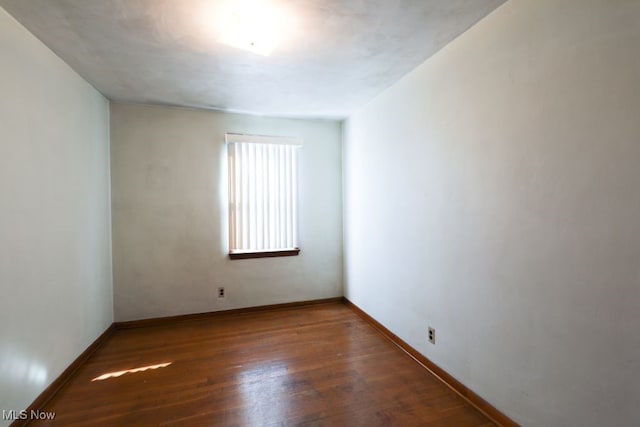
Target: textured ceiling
(339, 54)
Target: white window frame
(263, 195)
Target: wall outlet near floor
(432, 335)
(221, 293)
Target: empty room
(320, 212)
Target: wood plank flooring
(309, 366)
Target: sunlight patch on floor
(130, 371)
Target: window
(263, 187)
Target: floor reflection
(258, 382)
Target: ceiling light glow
(255, 26)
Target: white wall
(55, 253)
(494, 194)
(170, 216)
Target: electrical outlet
(221, 293)
(432, 335)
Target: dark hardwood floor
(318, 365)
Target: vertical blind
(263, 188)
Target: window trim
(264, 254)
(231, 138)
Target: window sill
(269, 254)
